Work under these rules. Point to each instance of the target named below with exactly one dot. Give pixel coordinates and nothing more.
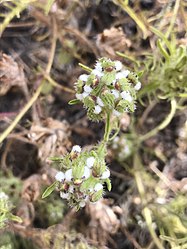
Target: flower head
(109, 86)
(81, 178)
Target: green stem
(21, 114)
(173, 18)
(146, 211)
(102, 148)
(161, 126)
(107, 128)
(88, 69)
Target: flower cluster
(5, 210)
(122, 147)
(82, 177)
(108, 88)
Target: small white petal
(79, 96)
(98, 187)
(83, 77)
(119, 76)
(97, 73)
(87, 89)
(125, 73)
(116, 113)
(64, 195)
(98, 67)
(76, 148)
(82, 204)
(161, 200)
(100, 102)
(60, 176)
(98, 109)
(87, 172)
(3, 196)
(126, 150)
(116, 140)
(138, 86)
(71, 189)
(105, 174)
(118, 65)
(126, 96)
(90, 162)
(68, 175)
(115, 93)
(85, 94)
(114, 146)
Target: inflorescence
(82, 177)
(108, 88)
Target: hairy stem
(107, 128)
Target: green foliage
(13, 9)
(5, 211)
(49, 190)
(166, 70)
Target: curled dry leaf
(112, 40)
(105, 216)
(26, 212)
(53, 138)
(31, 188)
(11, 74)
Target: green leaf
(108, 183)
(48, 6)
(49, 190)
(74, 102)
(15, 218)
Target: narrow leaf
(49, 190)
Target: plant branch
(38, 91)
(164, 124)
(21, 114)
(146, 211)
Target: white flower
(68, 175)
(98, 187)
(105, 174)
(125, 73)
(87, 89)
(85, 94)
(116, 140)
(98, 67)
(97, 73)
(3, 196)
(118, 65)
(98, 109)
(76, 148)
(90, 162)
(83, 77)
(79, 96)
(100, 102)
(87, 172)
(82, 204)
(126, 96)
(122, 74)
(115, 93)
(114, 146)
(126, 150)
(71, 189)
(138, 86)
(116, 113)
(60, 176)
(64, 195)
